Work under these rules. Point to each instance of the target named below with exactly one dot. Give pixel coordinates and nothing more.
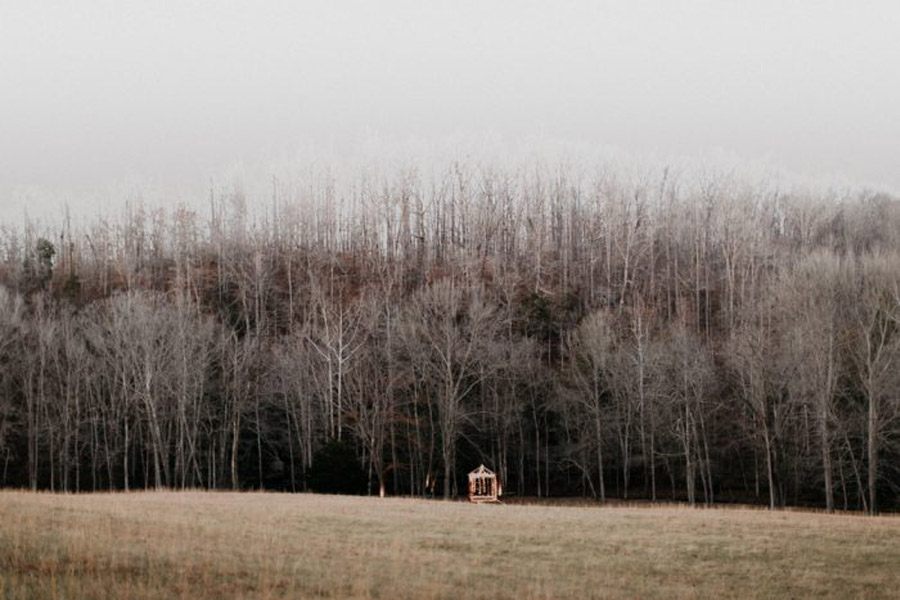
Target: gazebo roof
(481, 470)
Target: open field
(211, 544)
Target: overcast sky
(99, 91)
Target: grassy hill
(213, 544)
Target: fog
(104, 100)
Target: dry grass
(213, 545)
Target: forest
(594, 333)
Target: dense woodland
(609, 335)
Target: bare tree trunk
(872, 455)
(770, 473)
(826, 465)
(599, 437)
(235, 439)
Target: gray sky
(100, 91)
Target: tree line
(606, 335)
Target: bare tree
(590, 349)
(686, 383)
(12, 323)
(811, 299)
(754, 355)
(876, 356)
(445, 328)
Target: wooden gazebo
(483, 486)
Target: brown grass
(213, 545)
